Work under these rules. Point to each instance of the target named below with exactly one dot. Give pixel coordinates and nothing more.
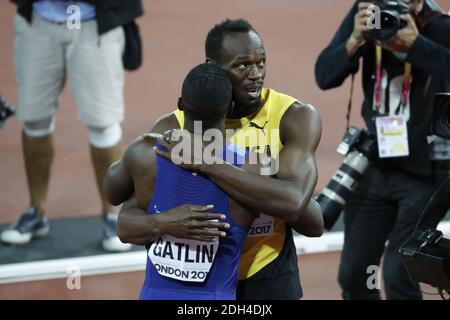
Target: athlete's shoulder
(165, 122)
(303, 109)
(295, 106)
(301, 120)
(278, 103)
(140, 154)
(274, 94)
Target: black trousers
(385, 206)
(279, 280)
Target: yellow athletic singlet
(260, 134)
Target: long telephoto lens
(336, 193)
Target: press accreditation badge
(392, 136)
(262, 226)
(182, 259)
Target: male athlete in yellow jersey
(264, 121)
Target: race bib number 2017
(262, 226)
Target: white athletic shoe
(111, 241)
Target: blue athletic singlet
(180, 269)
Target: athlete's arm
(134, 174)
(287, 195)
(138, 170)
(187, 222)
(118, 184)
(310, 223)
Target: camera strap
(349, 106)
(378, 79)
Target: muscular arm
(287, 195)
(136, 173)
(135, 226)
(187, 221)
(310, 223)
(118, 185)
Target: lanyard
(378, 74)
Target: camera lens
(390, 22)
(333, 198)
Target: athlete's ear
(180, 104)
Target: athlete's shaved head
(206, 93)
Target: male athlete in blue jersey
(204, 264)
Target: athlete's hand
(178, 146)
(192, 222)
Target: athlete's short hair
(206, 93)
(214, 40)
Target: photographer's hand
(405, 37)
(361, 19)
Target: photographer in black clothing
(399, 78)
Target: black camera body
(389, 20)
(359, 146)
(440, 124)
(426, 255)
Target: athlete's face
(244, 57)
